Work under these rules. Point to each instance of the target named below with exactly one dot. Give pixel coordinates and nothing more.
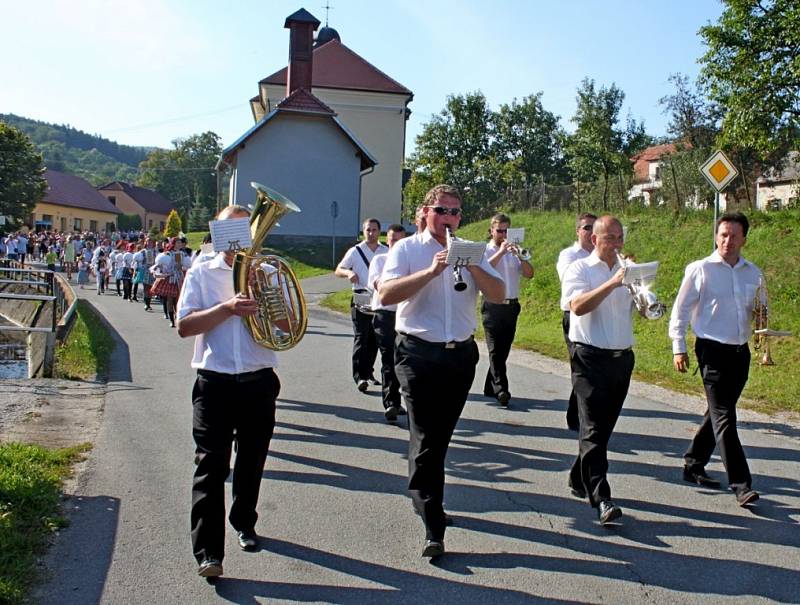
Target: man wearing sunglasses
(580, 249)
(435, 351)
(500, 321)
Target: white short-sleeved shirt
(508, 267)
(610, 325)
(436, 313)
(565, 258)
(717, 300)
(228, 348)
(352, 260)
(375, 274)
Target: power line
(173, 120)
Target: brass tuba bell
(281, 320)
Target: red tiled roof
(150, 200)
(336, 66)
(69, 190)
(303, 100)
(641, 161)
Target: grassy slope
(773, 245)
(87, 350)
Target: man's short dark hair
(734, 217)
(500, 218)
(367, 221)
(396, 227)
(584, 216)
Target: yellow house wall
(128, 205)
(69, 214)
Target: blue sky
(145, 72)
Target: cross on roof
(327, 8)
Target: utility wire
(173, 120)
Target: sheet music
(465, 253)
(516, 235)
(642, 272)
(230, 234)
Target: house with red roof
(368, 102)
(301, 148)
(151, 207)
(647, 167)
(72, 204)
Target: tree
(199, 217)
(692, 119)
(184, 174)
(526, 141)
(173, 226)
(21, 169)
(129, 222)
(599, 148)
(752, 71)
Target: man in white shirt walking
(235, 391)
(601, 330)
(354, 267)
(500, 320)
(435, 351)
(717, 297)
(580, 249)
(383, 323)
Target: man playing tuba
(716, 297)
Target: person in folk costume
(127, 271)
(168, 269)
(100, 264)
(142, 261)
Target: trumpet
(644, 298)
(460, 285)
(761, 330)
(523, 254)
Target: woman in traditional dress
(169, 277)
(142, 261)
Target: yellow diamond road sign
(719, 170)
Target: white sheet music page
(465, 253)
(516, 235)
(643, 272)
(230, 234)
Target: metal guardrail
(51, 289)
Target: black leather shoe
(433, 549)
(699, 477)
(401, 411)
(504, 397)
(746, 496)
(608, 512)
(210, 568)
(248, 540)
(375, 381)
(390, 413)
(577, 491)
(362, 385)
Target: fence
(40, 304)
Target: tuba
(761, 329)
(281, 319)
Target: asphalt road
(338, 527)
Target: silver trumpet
(644, 298)
(521, 253)
(460, 285)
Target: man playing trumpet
(435, 352)
(500, 320)
(716, 297)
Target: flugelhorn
(460, 285)
(761, 329)
(644, 298)
(281, 319)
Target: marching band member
(580, 249)
(435, 352)
(354, 267)
(383, 323)
(235, 391)
(601, 330)
(716, 297)
(500, 320)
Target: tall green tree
(184, 174)
(692, 118)
(527, 143)
(21, 182)
(752, 71)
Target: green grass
(87, 350)
(773, 244)
(31, 478)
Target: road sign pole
(714, 227)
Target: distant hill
(67, 149)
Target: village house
(151, 207)
(72, 204)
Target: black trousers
(572, 405)
(724, 369)
(224, 404)
(383, 324)
(435, 382)
(499, 326)
(365, 344)
(600, 379)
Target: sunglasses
(501, 230)
(440, 210)
(588, 227)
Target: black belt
(453, 344)
(243, 377)
(721, 345)
(607, 352)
